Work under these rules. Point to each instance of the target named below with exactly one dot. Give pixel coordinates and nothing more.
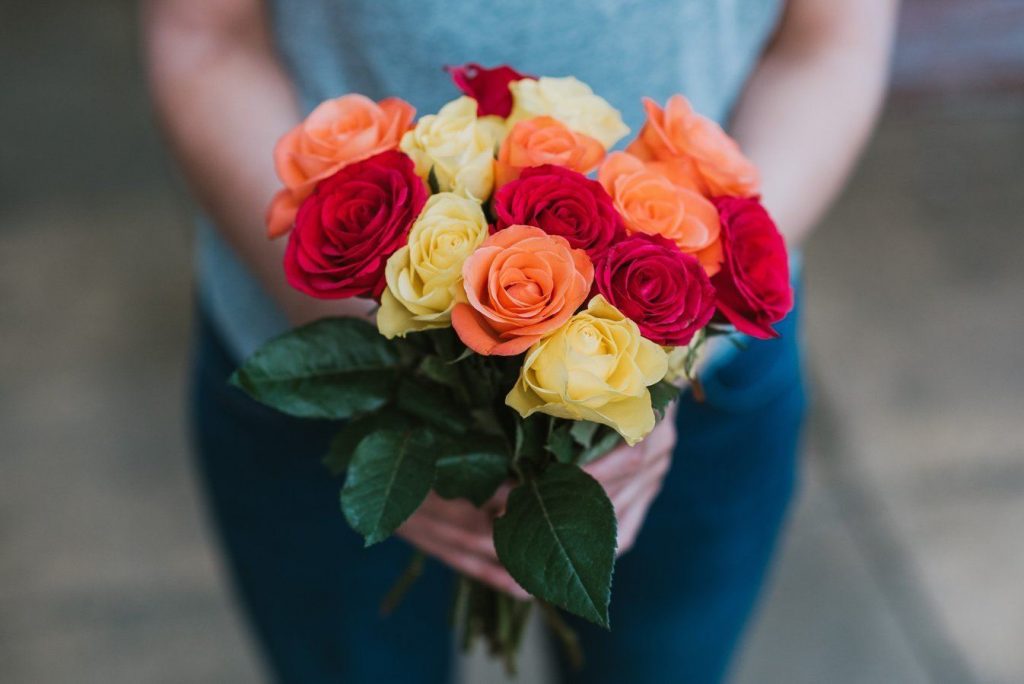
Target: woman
(800, 81)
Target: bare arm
(808, 109)
(223, 100)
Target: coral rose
(570, 101)
(425, 276)
(650, 203)
(337, 133)
(354, 220)
(489, 87)
(458, 150)
(544, 140)
(596, 367)
(695, 146)
(665, 292)
(753, 286)
(520, 284)
(560, 202)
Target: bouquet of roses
(530, 317)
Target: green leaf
(441, 372)
(662, 394)
(557, 539)
(561, 443)
(333, 368)
(343, 444)
(472, 471)
(583, 432)
(606, 440)
(531, 438)
(389, 476)
(433, 404)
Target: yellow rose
(570, 101)
(701, 348)
(424, 276)
(596, 367)
(457, 147)
(494, 127)
(676, 363)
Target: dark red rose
(560, 202)
(664, 291)
(489, 87)
(753, 284)
(354, 220)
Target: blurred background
(905, 557)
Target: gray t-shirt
(624, 49)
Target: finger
(636, 490)
(495, 506)
(454, 547)
(656, 456)
(622, 461)
(457, 513)
(455, 536)
(630, 524)
(472, 566)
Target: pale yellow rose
(457, 147)
(570, 101)
(596, 367)
(676, 363)
(701, 348)
(495, 127)
(425, 276)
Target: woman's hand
(461, 535)
(632, 477)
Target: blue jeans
(681, 597)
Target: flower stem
(398, 591)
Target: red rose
(753, 284)
(665, 291)
(354, 220)
(489, 87)
(560, 202)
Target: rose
(560, 202)
(696, 146)
(650, 203)
(489, 87)
(570, 101)
(337, 133)
(519, 285)
(425, 275)
(753, 286)
(354, 220)
(543, 140)
(458, 150)
(665, 292)
(596, 367)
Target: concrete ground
(905, 554)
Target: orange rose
(335, 134)
(697, 146)
(543, 140)
(520, 284)
(651, 203)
